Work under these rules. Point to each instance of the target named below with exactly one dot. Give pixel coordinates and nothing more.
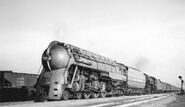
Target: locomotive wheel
(66, 95)
(95, 95)
(79, 95)
(86, 95)
(103, 94)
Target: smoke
(142, 63)
(61, 33)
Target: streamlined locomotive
(72, 72)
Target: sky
(146, 34)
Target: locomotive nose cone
(59, 57)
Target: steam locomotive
(71, 72)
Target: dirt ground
(179, 102)
(172, 101)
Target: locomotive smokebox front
(55, 56)
(55, 59)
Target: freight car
(71, 72)
(16, 86)
(163, 87)
(160, 86)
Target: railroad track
(130, 102)
(124, 101)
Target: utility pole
(182, 81)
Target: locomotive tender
(71, 72)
